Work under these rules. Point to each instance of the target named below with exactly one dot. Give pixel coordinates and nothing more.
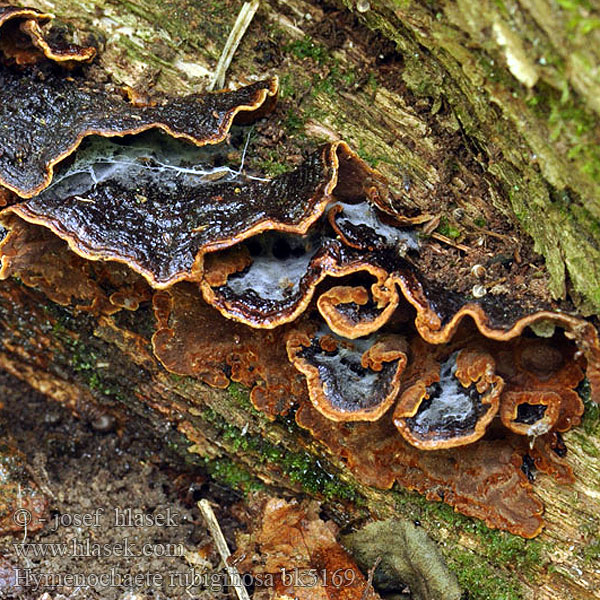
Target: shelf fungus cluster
(305, 287)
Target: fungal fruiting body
(311, 278)
(23, 42)
(453, 403)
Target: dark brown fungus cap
(482, 480)
(348, 380)
(192, 338)
(8, 12)
(440, 314)
(45, 117)
(361, 225)
(23, 41)
(452, 403)
(280, 280)
(278, 283)
(14, 44)
(57, 51)
(161, 218)
(218, 266)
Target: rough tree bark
(460, 104)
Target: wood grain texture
(495, 103)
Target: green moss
(233, 475)
(241, 396)
(508, 553)
(580, 17)
(288, 86)
(135, 52)
(591, 553)
(509, 550)
(372, 159)
(311, 87)
(500, 547)
(84, 360)
(294, 121)
(495, 73)
(272, 165)
(372, 83)
(323, 85)
(186, 20)
(301, 468)
(308, 48)
(447, 229)
(571, 124)
(479, 580)
(591, 418)
(591, 415)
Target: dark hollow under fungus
(307, 287)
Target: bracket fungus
(313, 281)
(351, 312)
(50, 114)
(542, 377)
(530, 413)
(23, 41)
(482, 480)
(349, 380)
(451, 404)
(185, 343)
(40, 259)
(59, 112)
(366, 226)
(281, 274)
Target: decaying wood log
(481, 117)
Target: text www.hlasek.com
(88, 549)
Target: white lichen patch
(516, 58)
(192, 70)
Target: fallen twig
(369, 585)
(233, 41)
(217, 535)
(447, 240)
